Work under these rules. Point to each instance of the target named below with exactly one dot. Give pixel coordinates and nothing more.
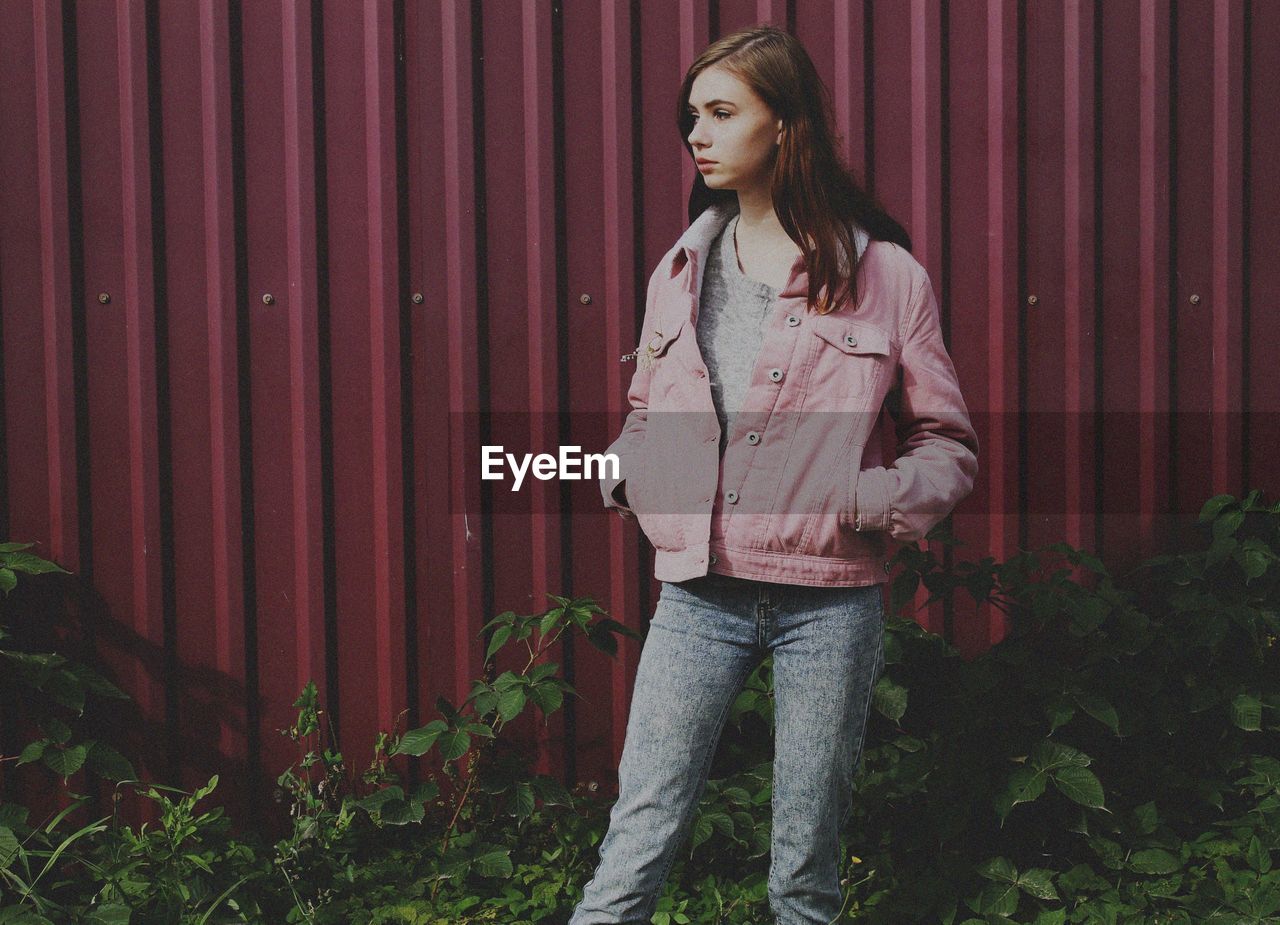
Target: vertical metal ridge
(1153, 181)
(57, 291)
(1079, 109)
(226, 527)
(1228, 244)
(309, 579)
(145, 604)
(463, 349)
(384, 360)
(1001, 277)
(622, 259)
(927, 200)
(545, 325)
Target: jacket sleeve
(937, 452)
(628, 442)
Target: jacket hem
(763, 565)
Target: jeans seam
(687, 818)
(866, 717)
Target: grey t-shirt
(732, 311)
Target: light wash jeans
(707, 635)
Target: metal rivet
(268, 298)
(104, 297)
(417, 298)
(851, 340)
(753, 438)
(1195, 299)
(1032, 299)
(731, 496)
(585, 298)
(775, 374)
(792, 320)
(714, 559)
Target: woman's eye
(719, 112)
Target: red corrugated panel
(334, 240)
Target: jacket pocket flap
(662, 336)
(851, 336)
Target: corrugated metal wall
(271, 272)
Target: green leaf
(14, 547)
(110, 914)
(454, 744)
(548, 697)
(1038, 882)
(499, 639)
(33, 751)
(494, 863)
(1227, 524)
(1258, 856)
(510, 702)
(1100, 709)
(998, 868)
(417, 742)
(30, 564)
(8, 580)
(889, 699)
(108, 763)
(1079, 784)
(1253, 557)
(1154, 861)
(1025, 785)
(65, 761)
(1213, 506)
(1246, 712)
(523, 800)
(8, 847)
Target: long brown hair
(815, 194)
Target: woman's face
(734, 129)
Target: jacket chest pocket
(851, 360)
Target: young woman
(788, 314)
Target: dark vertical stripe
(1171, 281)
(75, 245)
(1246, 335)
(244, 367)
(173, 747)
(481, 200)
(403, 286)
(329, 531)
(1017, 299)
(1099, 285)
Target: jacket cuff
(871, 500)
(613, 498)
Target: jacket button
(792, 320)
(851, 340)
(753, 438)
(714, 560)
(731, 496)
(775, 374)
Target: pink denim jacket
(800, 495)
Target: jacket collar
(692, 248)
